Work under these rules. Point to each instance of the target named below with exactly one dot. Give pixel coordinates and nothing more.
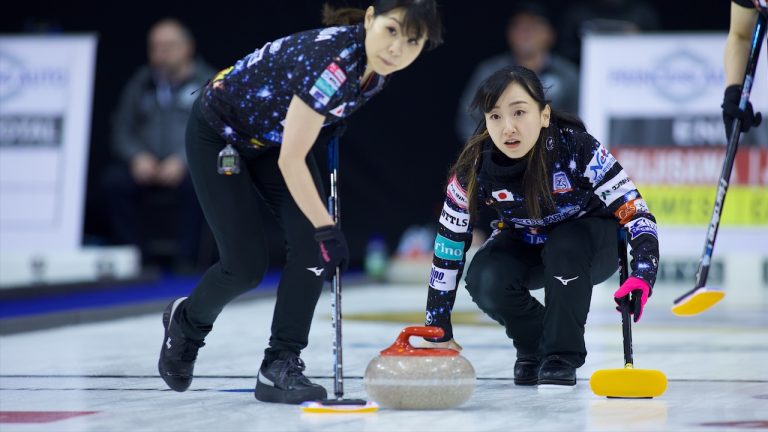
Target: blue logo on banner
(448, 249)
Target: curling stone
(406, 377)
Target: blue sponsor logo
(448, 249)
(534, 239)
(560, 183)
(436, 275)
(642, 226)
(603, 162)
(679, 76)
(15, 77)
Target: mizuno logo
(565, 281)
(168, 342)
(316, 270)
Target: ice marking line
(354, 377)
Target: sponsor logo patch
(319, 95)
(456, 193)
(442, 279)
(258, 54)
(533, 236)
(327, 33)
(338, 72)
(616, 187)
(601, 162)
(560, 183)
(448, 249)
(455, 221)
(641, 226)
(326, 85)
(275, 47)
(629, 209)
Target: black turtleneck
(501, 168)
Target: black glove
(333, 250)
(731, 111)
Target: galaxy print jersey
(586, 181)
(247, 102)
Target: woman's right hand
(449, 344)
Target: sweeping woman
(249, 139)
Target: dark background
(396, 153)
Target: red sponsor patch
(337, 72)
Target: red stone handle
(403, 347)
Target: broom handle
(626, 324)
(730, 155)
(333, 209)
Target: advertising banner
(46, 88)
(654, 101)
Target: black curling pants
(576, 255)
(229, 204)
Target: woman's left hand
(639, 289)
(333, 250)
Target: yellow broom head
(315, 407)
(628, 383)
(699, 301)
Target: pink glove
(640, 291)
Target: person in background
(249, 141)
(602, 16)
(148, 141)
(561, 199)
(737, 46)
(531, 38)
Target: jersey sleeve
(320, 77)
(453, 240)
(612, 185)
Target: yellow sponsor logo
(693, 205)
(222, 73)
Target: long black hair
(536, 181)
(421, 17)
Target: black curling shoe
(527, 371)
(282, 381)
(556, 371)
(178, 353)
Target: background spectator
(530, 37)
(148, 182)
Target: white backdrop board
(46, 89)
(661, 90)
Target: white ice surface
(715, 363)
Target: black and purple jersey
(247, 102)
(586, 181)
